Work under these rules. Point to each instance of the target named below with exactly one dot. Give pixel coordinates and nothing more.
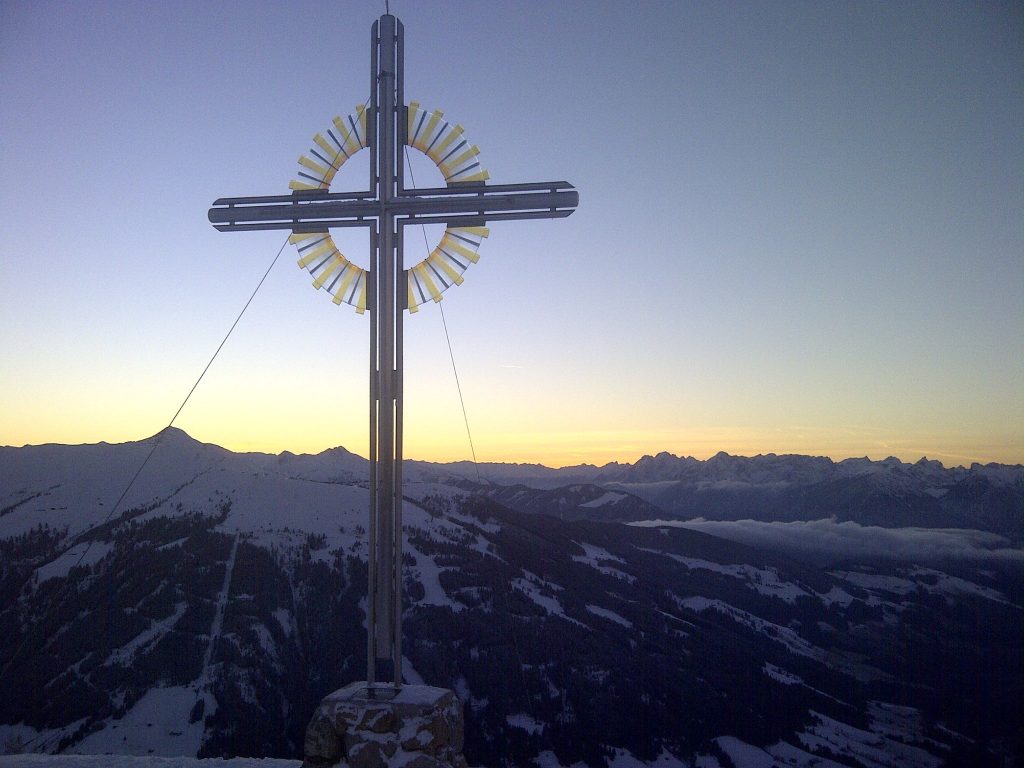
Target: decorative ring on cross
(455, 157)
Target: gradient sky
(801, 227)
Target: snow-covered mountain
(887, 493)
(224, 597)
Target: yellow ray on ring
(326, 147)
(421, 143)
(479, 231)
(298, 237)
(361, 301)
(427, 280)
(411, 302)
(449, 243)
(448, 168)
(479, 176)
(346, 281)
(313, 255)
(333, 266)
(437, 152)
(437, 261)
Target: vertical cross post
(385, 598)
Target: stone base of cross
(387, 289)
(357, 727)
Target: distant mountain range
(886, 493)
(213, 609)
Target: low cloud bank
(831, 540)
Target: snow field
(83, 554)
(120, 761)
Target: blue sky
(801, 227)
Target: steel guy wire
(156, 443)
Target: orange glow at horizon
(294, 433)
(515, 416)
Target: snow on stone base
(417, 727)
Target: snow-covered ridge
(720, 470)
(77, 485)
(123, 761)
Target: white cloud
(828, 538)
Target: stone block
(417, 726)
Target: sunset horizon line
(906, 456)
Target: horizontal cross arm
(292, 197)
(476, 188)
(303, 212)
(451, 220)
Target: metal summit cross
(387, 289)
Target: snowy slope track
(218, 617)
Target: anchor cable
(458, 386)
(504, 594)
(156, 443)
(447, 337)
